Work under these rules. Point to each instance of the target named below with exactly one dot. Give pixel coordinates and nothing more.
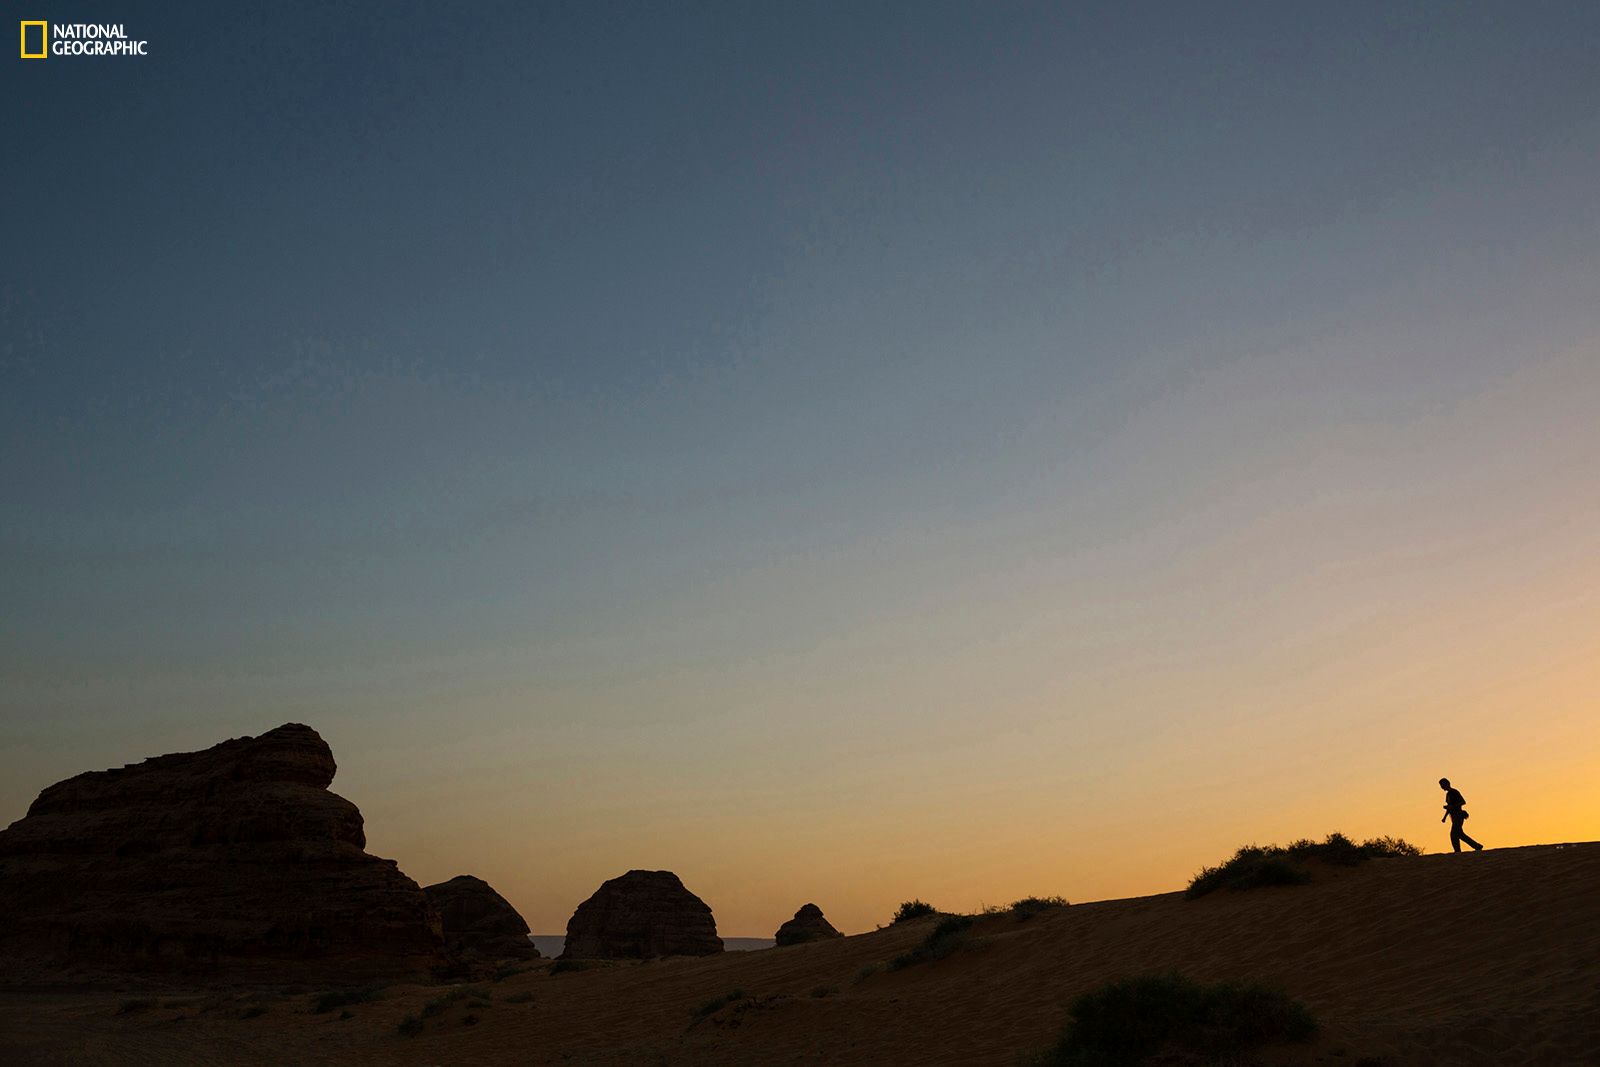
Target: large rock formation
(478, 921)
(640, 915)
(234, 859)
(808, 924)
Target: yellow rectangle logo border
(44, 40)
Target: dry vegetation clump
(338, 998)
(569, 966)
(716, 1004)
(912, 909)
(1131, 1020)
(440, 1004)
(1254, 866)
(1028, 907)
(943, 940)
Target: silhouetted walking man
(1455, 809)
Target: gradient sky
(837, 452)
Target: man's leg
(1458, 835)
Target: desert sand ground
(1488, 958)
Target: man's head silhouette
(1444, 783)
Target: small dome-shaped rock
(808, 924)
(478, 921)
(640, 915)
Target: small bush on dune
(410, 1026)
(1028, 907)
(1254, 866)
(566, 966)
(441, 1003)
(338, 998)
(943, 940)
(524, 997)
(128, 1007)
(716, 1004)
(825, 991)
(912, 909)
(1128, 1021)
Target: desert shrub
(469, 1020)
(338, 998)
(1382, 848)
(716, 1004)
(1249, 868)
(912, 909)
(868, 971)
(410, 1026)
(524, 997)
(1028, 907)
(1132, 1019)
(943, 940)
(564, 966)
(128, 1007)
(509, 970)
(253, 1011)
(825, 991)
(1253, 865)
(438, 1005)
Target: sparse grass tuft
(943, 940)
(563, 966)
(524, 997)
(253, 1011)
(338, 998)
(1131, 1020)
(1254, 866)
(912, 909)
(128, 1007)
(825, 991)
(1028, 907)
(440, 1004)
(868, 971)
(716, 1004)
(510, 970)
(410, 1026)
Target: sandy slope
(1491, 958)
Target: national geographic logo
(41, 40)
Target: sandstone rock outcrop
(234, 859)
(640, 915)
(478, 921)
(808, 924)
